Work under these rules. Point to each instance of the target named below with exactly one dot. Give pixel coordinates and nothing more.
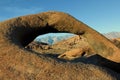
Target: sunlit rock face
(16, 62)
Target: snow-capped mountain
(112, 35)
(53, 37)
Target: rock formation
(116, 42)
(16, 62)
(35, 45)
(64, 47)
(74, 53)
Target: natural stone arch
(24, 29)
(18, 32)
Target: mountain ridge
(112, 35)
(52, 39)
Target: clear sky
(102, 15)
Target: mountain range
(112, 35)
(52, 38)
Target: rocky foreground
(17, 62)
(75, 42)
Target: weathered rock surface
(74, 53)
(38, 45)
(116, 42)
(18, 63)
(75, 43)
(63, 46)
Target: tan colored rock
(75, 53)
(116, 42)
(38, 45)
(73, 42)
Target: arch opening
(51, 43)
(53, 38)
(22, 36)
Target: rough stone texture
(116, 42)
(74, 53)
(18, 63)
(72, 43)
(38, 45)
(62, 46)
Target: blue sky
(102, 15)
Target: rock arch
(18, 32)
